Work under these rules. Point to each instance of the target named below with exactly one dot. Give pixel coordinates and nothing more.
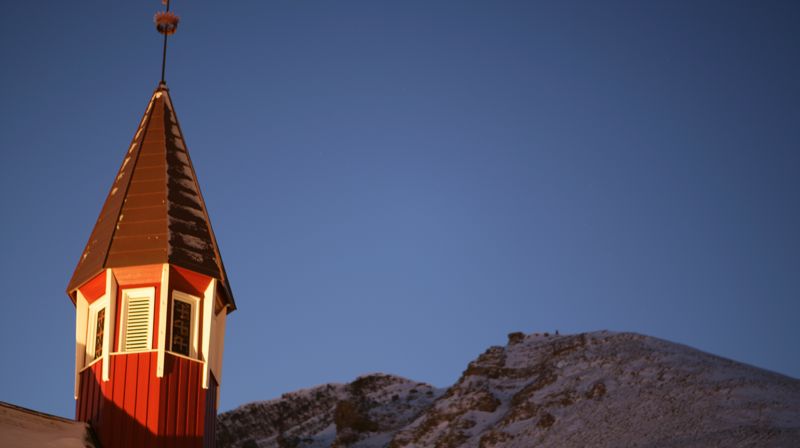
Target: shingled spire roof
(154, 212)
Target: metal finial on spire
(166, 24)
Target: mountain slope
(368, 411)
(597, 389)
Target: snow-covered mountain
(597, 389)
(368, 411)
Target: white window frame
(194, 302)
(138, 293)
(91, 328)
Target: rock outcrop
(366, 412)
(596, 389)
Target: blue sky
(396, 186)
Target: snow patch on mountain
(599, 389)
(365, 413)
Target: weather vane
(166, 24)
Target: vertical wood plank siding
(130, 403)
(210, 414)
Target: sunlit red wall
(136, 409)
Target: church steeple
(151, 295)
(154, 212)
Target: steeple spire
(166, 24)
(154, 212)
(151, 295)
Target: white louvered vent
(138, 314)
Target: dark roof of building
(23, 428)
(154, 212)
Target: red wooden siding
(94, 288)
(188, 281)
(136, 409)
(138, 275)
(89, 404)
(211, 414)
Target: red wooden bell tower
(151, 296)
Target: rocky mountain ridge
(597, 389)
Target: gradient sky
(396, 185)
